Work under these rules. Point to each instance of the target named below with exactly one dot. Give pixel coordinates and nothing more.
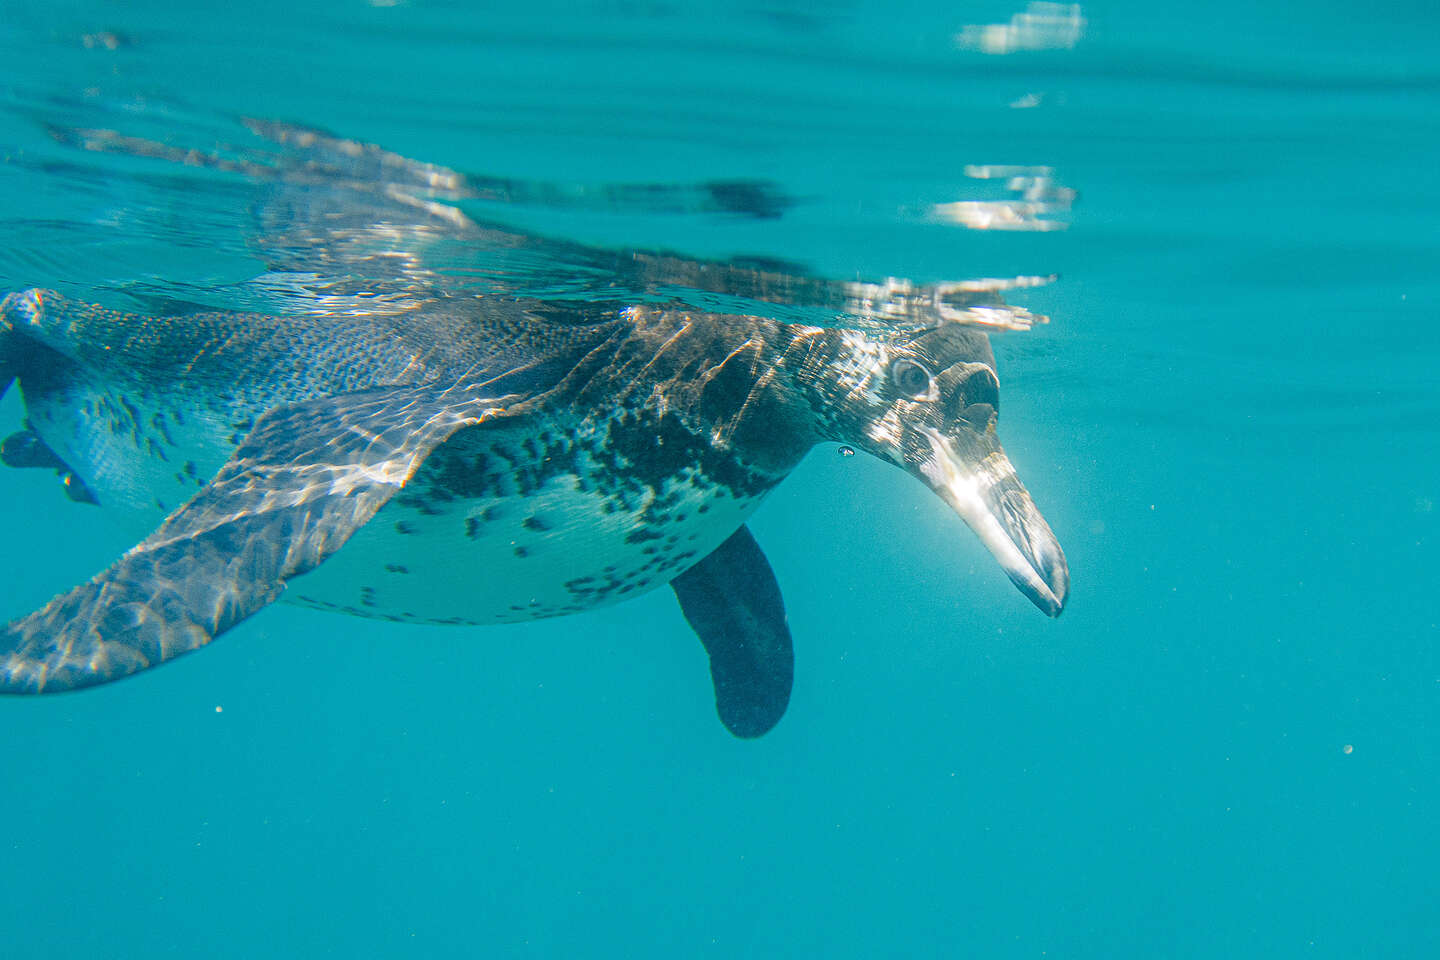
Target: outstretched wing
(306, 478)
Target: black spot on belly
(131, 410)
(403, 528)
(158, 422)
(652, 451)
(472, 528)
(534, 523)
(640, 535)
(522, 552)
(241, 428)
(397, 568)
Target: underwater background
(1226, 746)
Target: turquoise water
(1225, 747)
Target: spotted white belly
(507, 524)
(557, 549)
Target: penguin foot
(76, 490)
(25, 450)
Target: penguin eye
(912, 379)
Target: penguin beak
(982, 488)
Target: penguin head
(929, 402)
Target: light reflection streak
(1040, 197)
(1043, 26)
(348, 227)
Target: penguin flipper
(306, 478)
(733, 603)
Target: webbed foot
(24, 450)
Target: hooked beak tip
(1053, 589)
(990, 498)
(1050, 599)
(1035, 564)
